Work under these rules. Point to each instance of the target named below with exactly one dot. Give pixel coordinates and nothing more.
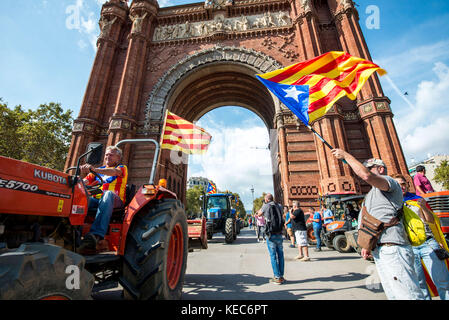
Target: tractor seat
(130, 193)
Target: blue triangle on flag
(295, 97)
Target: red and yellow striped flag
(182, 135)
(328, 77)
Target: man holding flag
(309, 89)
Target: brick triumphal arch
(193, 58)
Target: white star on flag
(292, 92)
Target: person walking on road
(393, 254)
(288, 227)
(273, 214)
(328, 216)
(300, 229)
(317, 225)
(260, 227)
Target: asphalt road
(241, 271)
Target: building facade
(198, 181)
(430, 164)
(192, 58)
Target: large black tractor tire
(229, 230)
(341, 244)
(156, 250)
(37, 271)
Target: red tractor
(44, 213)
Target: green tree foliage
(41, 136)
(258, 202)
(193, 202)
(442, 174)
(239, 206)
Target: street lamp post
(252, 192)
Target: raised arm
(359, 169)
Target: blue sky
(47, 51)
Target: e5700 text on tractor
(44, 213)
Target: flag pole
(322, 139)
(162, 137)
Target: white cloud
(82, 44)
(165, 3)
(89, 26)
(425, 129)
(81, 17)
(236, 160)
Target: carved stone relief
(105, 26)
(346, 4)
(382, 106)
(217, 4)
(158, 59)
(286, 41)
(306, 5)
(137, 23)
(221, 24)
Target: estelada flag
(310, 88)
(211, 188)
(182, 135)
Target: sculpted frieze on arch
(220, 23)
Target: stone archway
(189, 89)
(159, 97)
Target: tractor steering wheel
(98, 176)
(95, 189)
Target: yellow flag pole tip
(381, 72)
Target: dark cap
(420, 168)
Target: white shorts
(301, 238)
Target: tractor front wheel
(229, 230)
(341, 244)
(37, 271)
(156, 250)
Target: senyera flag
(211, 188)
(182, 135)
(310, 88)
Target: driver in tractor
(114, 176)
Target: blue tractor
(220, 217)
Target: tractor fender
(334, 226)
(139, 202)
